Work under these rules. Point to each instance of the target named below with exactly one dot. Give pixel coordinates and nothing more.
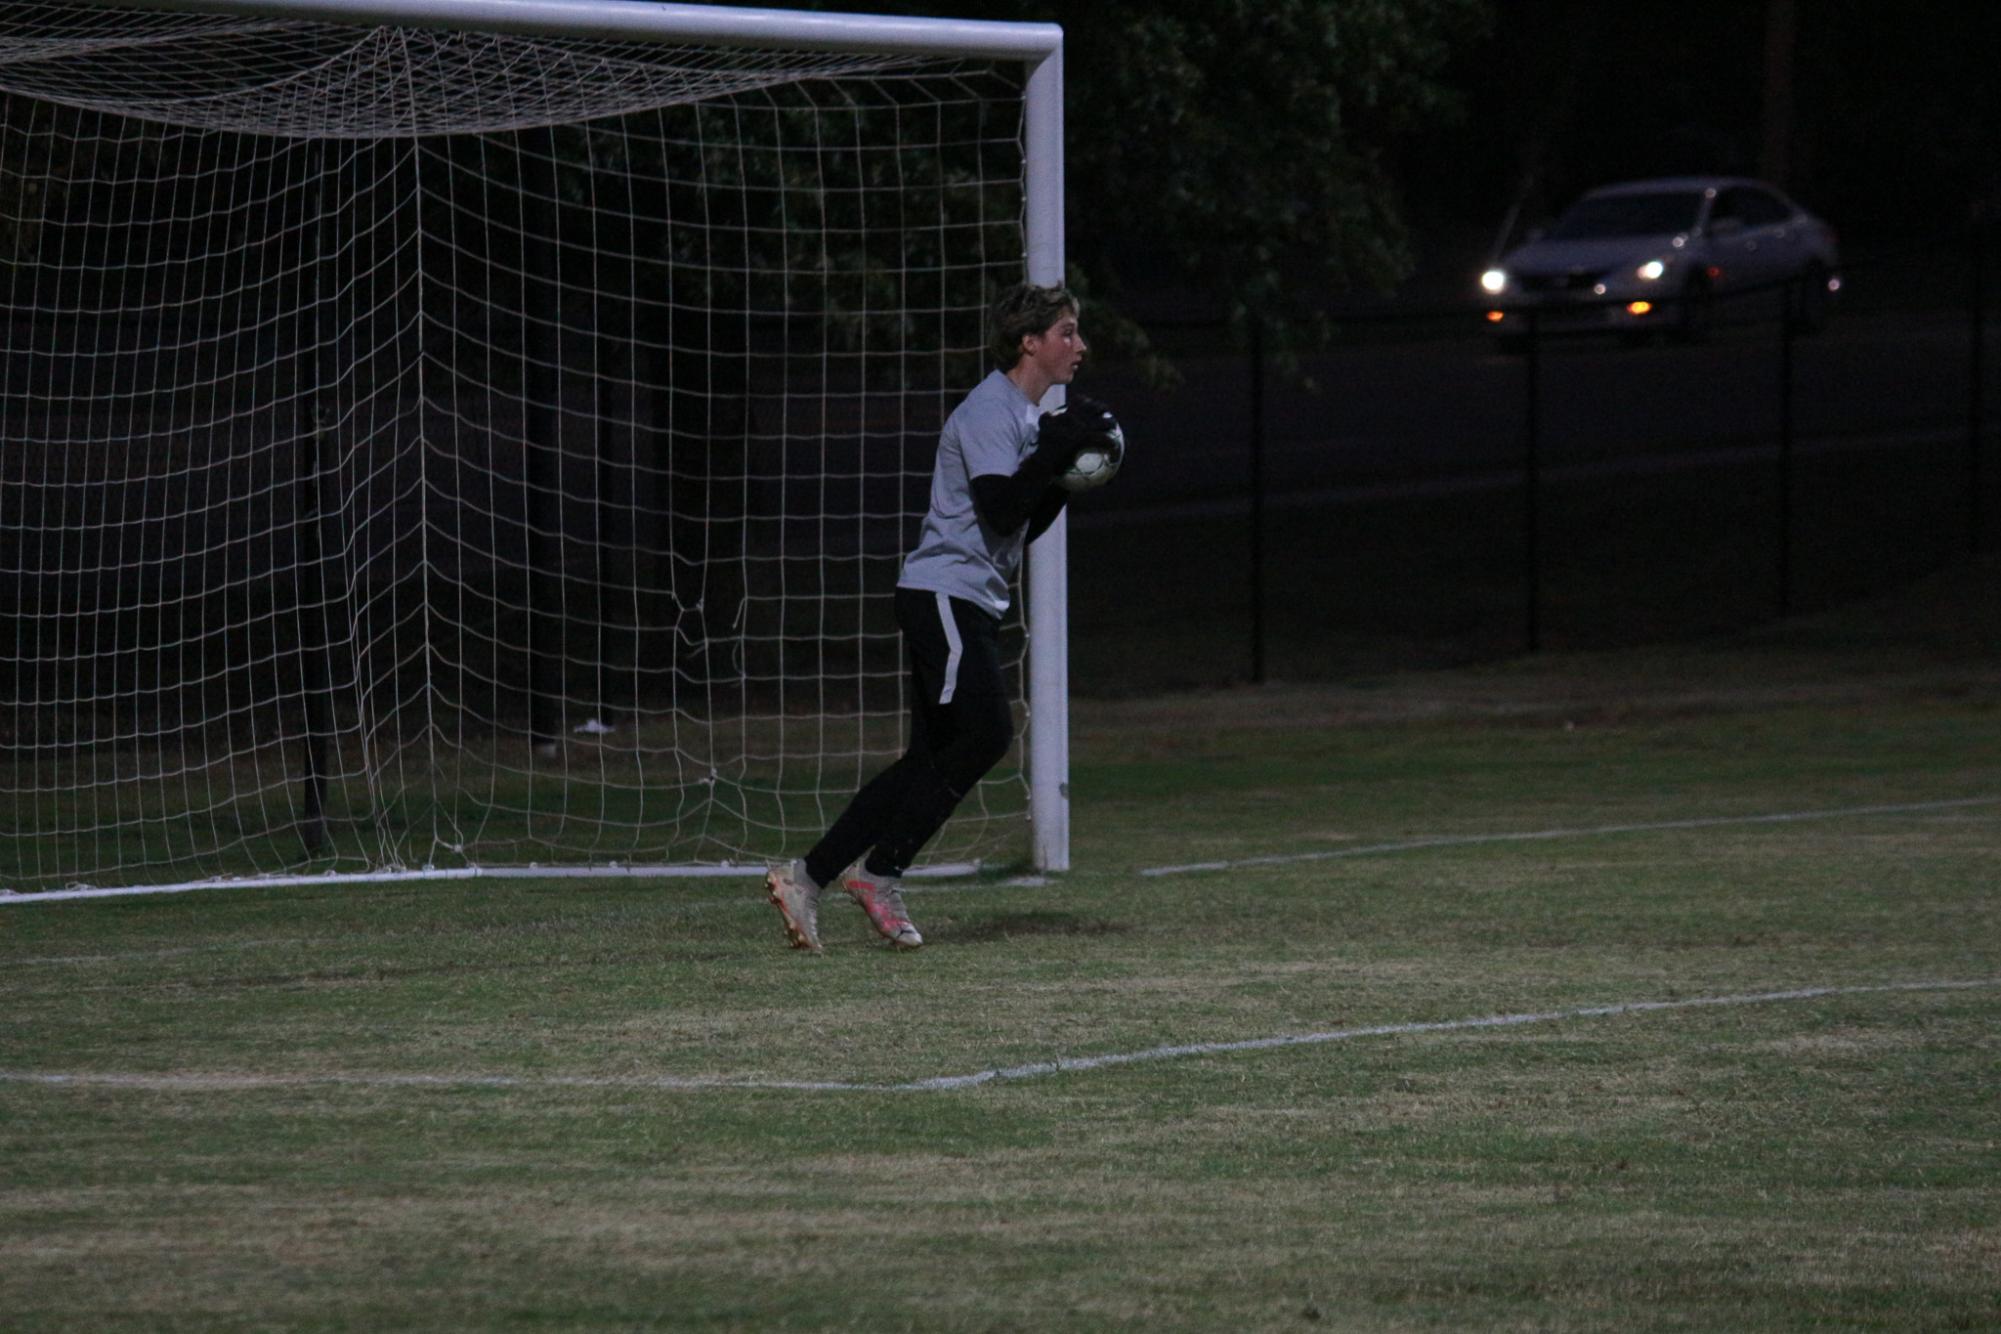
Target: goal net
(428, 450)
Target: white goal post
(444, 438)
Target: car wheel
(1808, 306)
(1696, 313)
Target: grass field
(1642, 990)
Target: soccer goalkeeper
(993, 490)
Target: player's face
(1058, 350)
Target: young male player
(992, 492)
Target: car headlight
(1494, 281)
(1652, 271)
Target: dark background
(1886, 119)
(1404, 495)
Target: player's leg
(981, 730)
(968, 728)
(931, 661)
(795, 889)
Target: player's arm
(1052, 503)
(1005, 503)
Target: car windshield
(1603, 216)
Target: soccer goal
(464, 437)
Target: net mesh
(427, 449)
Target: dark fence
(1426, 492)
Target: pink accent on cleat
(882, 900)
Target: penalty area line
(1086, 1063)
(225, 1082)
(1547, 835)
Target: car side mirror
(1726, 226)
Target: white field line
(946, 873)
(193, 1082)
(1083, 1063)
(1587, 831)
(8, 897)
(688, 906)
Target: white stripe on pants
(953, 646)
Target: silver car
(1655, 255)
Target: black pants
(960, 727)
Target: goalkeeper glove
(1082, 423)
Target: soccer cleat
(797, 899)
(883, 902)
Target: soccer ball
(1097, 462)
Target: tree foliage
(1239, 151)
